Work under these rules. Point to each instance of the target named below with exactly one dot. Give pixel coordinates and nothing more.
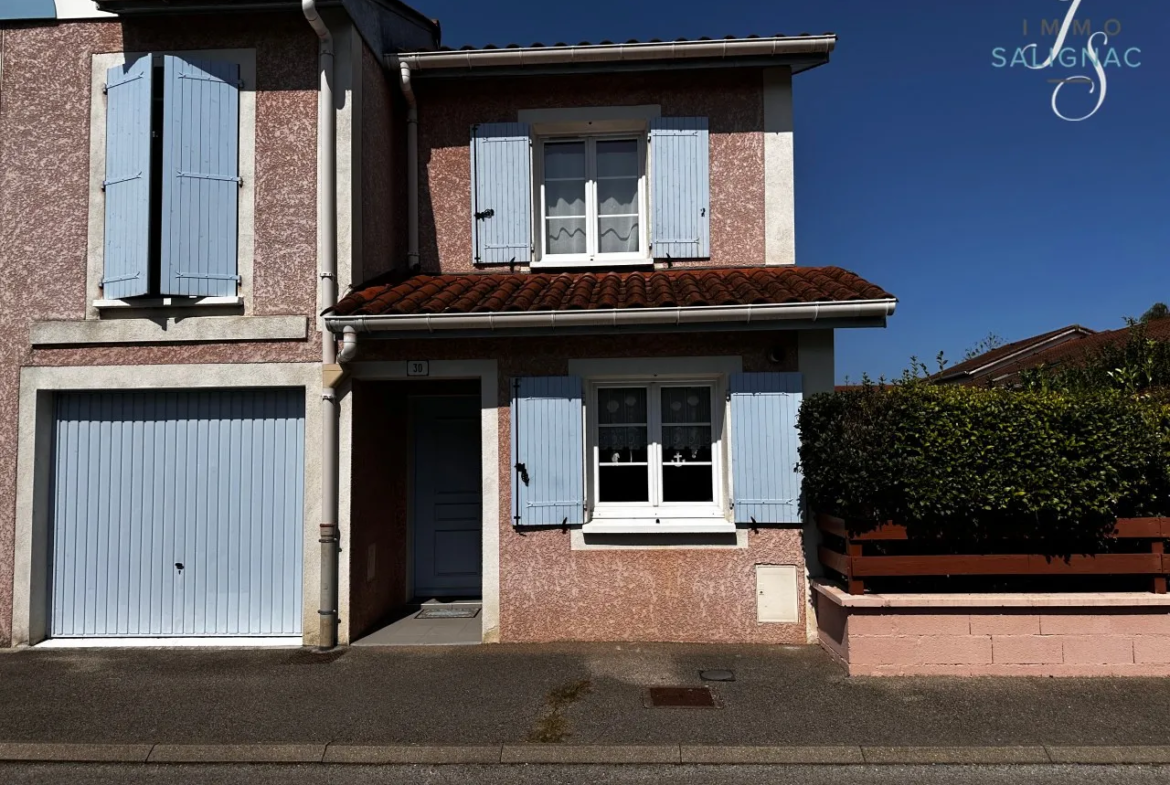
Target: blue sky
(923, 167)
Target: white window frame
(655, 516)
(591, 256)
(96, 303)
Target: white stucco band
(169, 330)
(779, 196)
(38, 384)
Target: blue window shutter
(201, 177)
(501, 193)
(548, 470)
(680, 188)
(127, 182)
(764, 441)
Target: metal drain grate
(448, 613)
(680, 698)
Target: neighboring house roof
(1072, 352)
(501, 293)
(984, 364)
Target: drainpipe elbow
(309, 8)
(407, 89)
(349, 345)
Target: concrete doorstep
(597, 754)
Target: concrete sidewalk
(518, 703)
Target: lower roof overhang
(767, 316)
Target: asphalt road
(585, 775)
(505, 694)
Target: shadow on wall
(286, 57)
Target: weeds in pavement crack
(552, 726)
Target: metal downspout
(327, 227)
(411, 167)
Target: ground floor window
(655, 449)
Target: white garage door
(177, 513)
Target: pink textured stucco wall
(44, 199)
(550, 592)
(1035, 641)
(732, 99)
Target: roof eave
(774, 315)
(802, 51)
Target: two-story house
(560, 382)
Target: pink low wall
(966, 635)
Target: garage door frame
(32, 566)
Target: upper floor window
(618, 189)
(592, 198)
(172, 180)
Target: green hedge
(965, 464)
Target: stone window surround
(584, 122)
(101, 63)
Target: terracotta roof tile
(572, 291)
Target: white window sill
(170, 302)
(666, 526)
(599, 261)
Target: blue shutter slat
(501, 193)
(680, 188)
(764, 442)
(548, 439)
(127, 180)
(201, 177)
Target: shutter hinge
(107, 183)
(523, 470)
(488, 213)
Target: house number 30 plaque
(418, 368)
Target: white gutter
(327, 245)
(615, 317)
(603, 53)
(411, 167)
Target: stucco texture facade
(732, 99)
(550, 591)
(45, 101)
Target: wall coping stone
(838, 596)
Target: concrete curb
(955, 755)
(397, 754)
(589, 754)
(237, 753)
(75, 753)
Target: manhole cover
(717, 674)
(448, 613)
(680, 698)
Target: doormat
(680, 698)
(467, 612)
